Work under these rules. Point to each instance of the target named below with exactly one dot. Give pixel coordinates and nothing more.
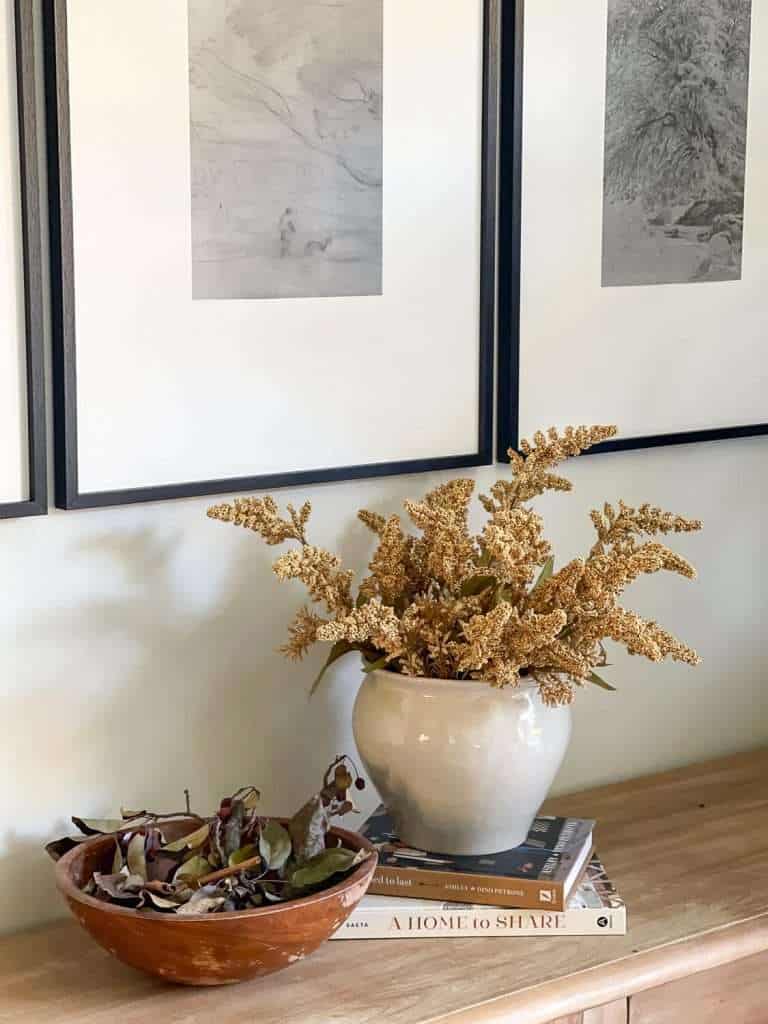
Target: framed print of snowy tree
(23, 473)
(634, 219)
(274, 242)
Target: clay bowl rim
(351, 840)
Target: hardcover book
(539, 874)
(594, 908)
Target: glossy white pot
(463, 767)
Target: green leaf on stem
(598, 681)
(339, 649)
(476, 585)
(372, 666)
(545, 573)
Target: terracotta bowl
(213, 949)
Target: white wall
(137, 652)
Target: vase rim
(454, 684)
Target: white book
(595, 908)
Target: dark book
(539, 874)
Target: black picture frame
(67, 492)
(24, 38)
(510, 261)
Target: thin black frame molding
(24, 39)
(510, 262)
(67, 492)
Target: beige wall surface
(137, 651)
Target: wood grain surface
(688, 850)
(733, 993)
(612, 1013)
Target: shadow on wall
(177, 696)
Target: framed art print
(273, 241)
(22, 388)
(634, 219)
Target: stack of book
(553, 883)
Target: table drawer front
(612, 1013)
(736, 993)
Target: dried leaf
(193, 868)
(105, 826)
(205, 905)
(249, 796)
(161, 866)
(159, 888)
(119, 887)
(307, 829)
(233, 828)
(274, 845)
(322, 866)
(118, 862)
(272, 894)
(58, 847)
(190, 841)
(96, 826)
(162, 902)
(135, 857)
(244, 853)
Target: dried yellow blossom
(555, 691)
(442, 516)
(444, 603)
(618, 527)
(262, 516)
(500, 672)
(433, 626)
(512, 539)
(484, 635)
(389, 573)
(537, 457)
(372, 624)
(372, 520)
(302, 633)
(557, 656)
(320, 573)
(529, 632)
(559, 591)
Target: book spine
(376, 923)
(517, 893)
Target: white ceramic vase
(462, 767)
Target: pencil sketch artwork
(675, 140)
(286, 148)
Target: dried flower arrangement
(447, 604)
(236, 860)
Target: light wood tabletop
(688, 850)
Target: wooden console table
(688, 850)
